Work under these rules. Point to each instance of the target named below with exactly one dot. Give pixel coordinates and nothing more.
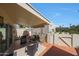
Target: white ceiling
(16, 14)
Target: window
(2, 39)
(5, 37)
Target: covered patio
(25, 14)
(20, 13)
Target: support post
(72, 40)
(53, 38)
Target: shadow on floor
(77, 49)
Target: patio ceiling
(21, 14)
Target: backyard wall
(53, 38)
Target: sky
(61, 14)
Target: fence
(64, 39)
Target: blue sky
(59, 13)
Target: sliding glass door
(5, 37)
(3, 43)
